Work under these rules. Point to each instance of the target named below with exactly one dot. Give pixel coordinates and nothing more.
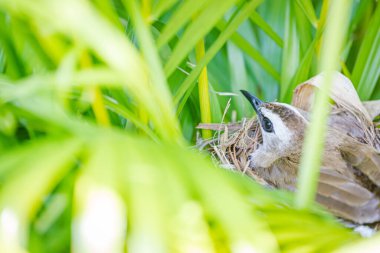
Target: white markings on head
(281, 136)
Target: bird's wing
(347, 123)
(363, 157)
(351, 189)
(347, 198)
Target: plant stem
(146, 9)
(98, 107)
(97, 102)
(315, 135)
(204, 98)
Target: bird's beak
(255, 102)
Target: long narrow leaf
(185, 90)
(180, 17)
(291, 52)
(161, 7)
(197, 30)
(315, 136)
(260, 22)
(254, 53)
(169, 124)
(308, 9)
(367, 67)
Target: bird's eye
(267, 125)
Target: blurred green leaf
(260, 22)
(35, 176)
(367, 67)
(185, 90)
(161, 7)
(254, 53)
(183, 15)
(203, 23)
(291, 53)
(308, 9)
(125, 169)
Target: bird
(349, 179)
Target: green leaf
(35, 177)
(304, 29)
(185, 90)
(367, 66)
(316, 132)
(303, 72)
(202, 24)
(260, 22)
(15, 67)
(308, 9)
(161, 7)
(181, 16)
(255, 54)
(291, 53)
(167, 125)
(239, 77)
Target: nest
(233, 144)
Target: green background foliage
(106, 94)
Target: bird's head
(282, 125)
